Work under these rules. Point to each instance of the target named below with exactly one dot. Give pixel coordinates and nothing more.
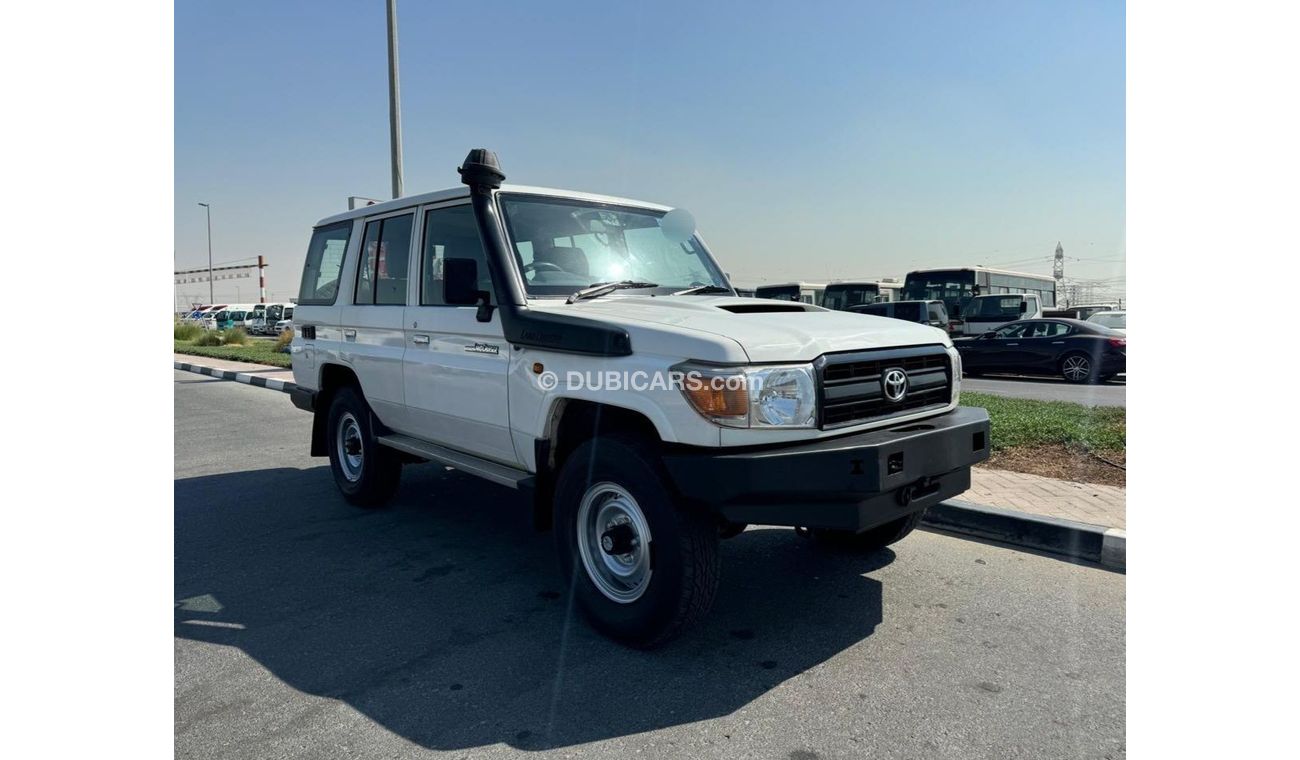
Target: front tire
(366, 473)
(873, 539)
(641, 567)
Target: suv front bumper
(854, 482)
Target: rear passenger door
(1042, 351)
(373, 339)
(456, 367)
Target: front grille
(851, 387)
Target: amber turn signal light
(717, 402)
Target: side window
(1052, 330)
(320, 272)
(909, 311)
(449, 233)
(936, 313)
(385, 253)
(1011, 331)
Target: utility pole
(1058, 269)
(394, 101)
(211, 299)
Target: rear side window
(909, 311)
(385, 253)
(876, 311)
(320, 273)
(937, 313)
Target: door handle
(1058, 343)
(420, 340)
(350, 334)
(1013, 344)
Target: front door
(455, 367)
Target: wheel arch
(569, 423)
(332, 377)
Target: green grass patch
(1020, 422)
(186, 331)
(255, 351)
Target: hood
(766, 330)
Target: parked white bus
(844, 294)
(956, 287)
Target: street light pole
(211, 298)
(394, 101)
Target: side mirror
(1024, 306)
(460, 287)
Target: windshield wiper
(702, 290)
(596, 291)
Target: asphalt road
(1112, 393)
(305, 627)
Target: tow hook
(918, 490)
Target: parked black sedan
(1080, 352)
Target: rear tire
(641, 567)
(1079, 368)
(872, 539)
(366, 473)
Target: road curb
(239, 377)
(1076, 540)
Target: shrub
(236, 337)
(209, 338)
(282, 342)
(186, 331)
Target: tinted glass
(449, 233)
(1004, 306)
(1012, 331)
(385, 255)
(366, 267)
(320, 272)
(909, 311)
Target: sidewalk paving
(1082, 502)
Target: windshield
(786, 293)
(953, 287)
(563, 245)
(1007, 307)
(846, 295)
(1116, 320)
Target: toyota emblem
(894, 383)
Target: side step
(501, 474)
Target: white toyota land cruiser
(590, 350)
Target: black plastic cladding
(523, 326)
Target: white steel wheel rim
(1077, 367)
(350, 449)
(607, 513)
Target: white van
(273, 313)
(987, 313)
(256, 313)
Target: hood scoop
(761, 308)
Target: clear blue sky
(810, 141)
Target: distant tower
(1058, 269)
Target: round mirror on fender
(677, 225)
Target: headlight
(783, 396)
